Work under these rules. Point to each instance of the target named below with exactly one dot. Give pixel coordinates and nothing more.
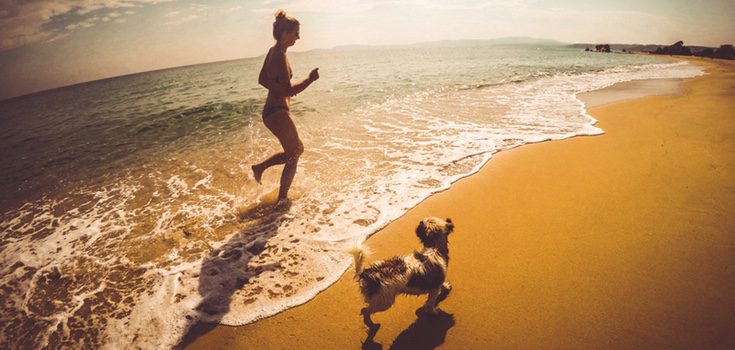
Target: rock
(602, 48)
(725, 51)
(677, 48)
(705, 53)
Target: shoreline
(328, 311)
(631, 90)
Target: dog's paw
(433, 311)
(444, 292)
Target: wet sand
(619, 241)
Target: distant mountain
(527, 41)
(352, 47)
(498, 41)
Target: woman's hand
(314, 75)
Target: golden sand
(619, 241)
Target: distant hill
(498, 41)
(445, 43)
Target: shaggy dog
(422, 272)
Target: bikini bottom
(272, 109)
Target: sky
(46, 44)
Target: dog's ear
(450, 226)
(421, 231)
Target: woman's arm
(282, 86)
(263, 78)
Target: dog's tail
(358, 254)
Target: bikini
(272, 109)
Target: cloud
(468, 4)
(320, 6)
(200, 7)
(602, 18)
(194, 11)
(183, 20)
(359, 6)
(27, 22)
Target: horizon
(560, 43)
(45, 46)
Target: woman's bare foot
(283, 204)
(257, 173)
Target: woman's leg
(275, 159)
(275, 127)
(281, 125)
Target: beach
(130, 201)
(616, 241)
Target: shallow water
(128, 208)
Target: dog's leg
(373, 328)
(378, 303)
(430, 305)
(366, 312)
(444, 292)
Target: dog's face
(432, 231)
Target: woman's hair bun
(283, 23)
(280, 14)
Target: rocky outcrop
(705, 53)
(602, 48)
(598, 48)
(677, 49)
(724, 51)
(617, 47)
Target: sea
(129, 212)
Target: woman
(276, 77)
